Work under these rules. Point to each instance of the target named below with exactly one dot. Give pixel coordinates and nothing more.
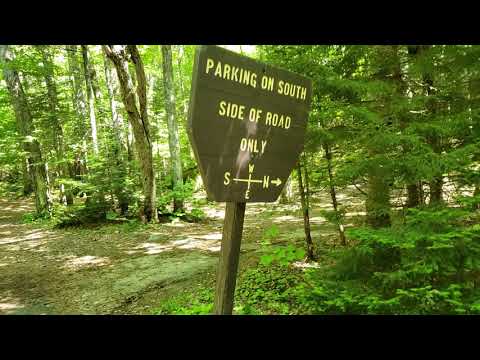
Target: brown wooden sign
(247, 124)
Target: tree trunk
(79, 166)
(117, 148)
(333, 194)
(180, 77)
(434, 140)
(307, 181)
(173, 138)
(413, 195)
(306, 216)
(137, 115)
(26, 129)
(421, 193)
(66, 196)
(90, 97)
(413, 191)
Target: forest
(103, 209)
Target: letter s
(227, 178)
(221, 112)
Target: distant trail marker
(247, 123)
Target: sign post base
(229, 255)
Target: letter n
(266, 181)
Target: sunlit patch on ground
(150, 248)
(285, 207)
(198, 244)
(214, 213)
(317, 220)
(286, 218)
(176, 223)
(208, 242)
(27, 236)
(357, 213)
(76, 263)
(305, 265)
(8, 305)
(11, 227)
(17, 208)
(324, 206)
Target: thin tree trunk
(120, 56)
(306, 216)
(91, 98)
(66, 196)
(307, 181)
(434, 140)
(333, 194)
(413, 191)
(152, 80)
(180, 77)
(119, 170)
(173, 138)
(79, 166)
(26, 129)
(112, 87)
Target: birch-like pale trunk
(90, 97)
(181, 78)
(173, 138)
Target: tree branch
(363, 192)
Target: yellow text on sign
(238, 112)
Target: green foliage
(198, 214)
(283, 256)
(385, 117)
(278, 255)
(199, 302)
(94, 210)
(333, 217)
(429, 265)
(35, 218)
(167, 194)
(270, 234)
(266, 290)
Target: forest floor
(131, 268)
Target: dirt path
(125, 268)
(94, 271)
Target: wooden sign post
(229, 256)
(247, 123)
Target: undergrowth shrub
(429, 265)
